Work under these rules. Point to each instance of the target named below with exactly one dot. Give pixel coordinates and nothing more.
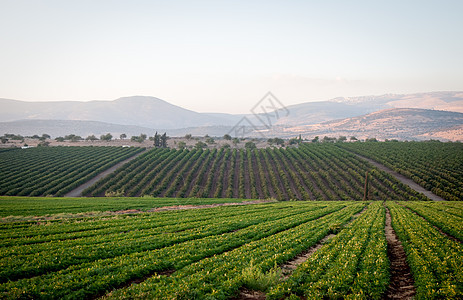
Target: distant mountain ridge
(150, 114)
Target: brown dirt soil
(401, 284)
(246, 294)
(291, 265)
(41, 220)
(179, 207)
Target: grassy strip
(49, 206)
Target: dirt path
(77, 192)
(401, 284)
(403, 179)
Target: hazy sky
(223, 56)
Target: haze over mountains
(369, 116)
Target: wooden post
(365, 194)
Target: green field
(40, 206)
(213, 253)
(436, 166)
(45, 171)
(155, 246)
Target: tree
(200, 145)
(227, 137)
(72, 138)
(106, 137)
(143, 136)
(327, 139)
(236, 141)
(210, 141)
(181, 145)
(123, 136)
(157, 140)
(4, 140)
(294, 141)
(91, 138)
(59, 139)
(188, 136)
(164, 140)
(315, 139)
(342, 139)
(43, 144)
(278, 141)
(226, 146)
(353, 138)
(250, 145)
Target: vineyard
(309, 172)
(436, 166)
(216, 253)
(54, 171)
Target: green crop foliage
(435, 260)
(436, 166)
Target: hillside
(57, 128)
(142, 111)
(412, 116)
(397, 123)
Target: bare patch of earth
(401, 284)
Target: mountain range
(409, 116)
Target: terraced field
(226, 251)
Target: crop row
(436, 166)
(351, 265)
(55, 170)
(447, 222)
(221, 276)
(435, 260)
(36, 259)
(92, 278)
(310, 172)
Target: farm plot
(216, 253)
(436, 166)
(310, 172)
(45, 171)
(86, 258)
(436, 261)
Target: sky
(224, 56)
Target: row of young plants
(221, 276)
(26, 233)
(37, 259)
(435, 260)
(55, 170)
(352, 265)
(447, 222)
(436, 166)
(90, 279)
(310, 172)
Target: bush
(254, 279)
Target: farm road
(77, 192)
(403, 179)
